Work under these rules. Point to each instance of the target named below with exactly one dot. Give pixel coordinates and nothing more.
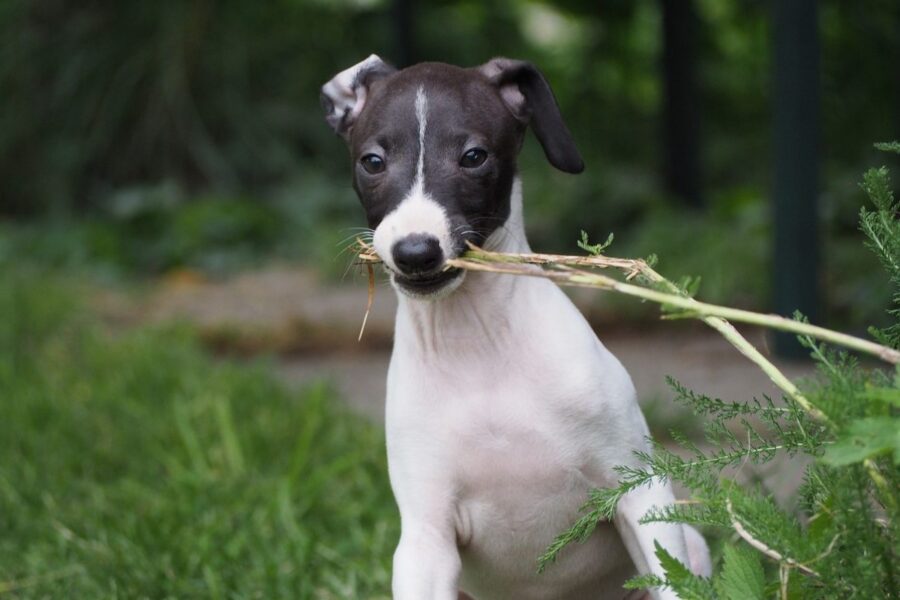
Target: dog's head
(434, 151)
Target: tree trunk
(796, 139)
(681, 116)
(403, 19)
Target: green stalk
(481, 260)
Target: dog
(503, 408)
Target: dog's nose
(418, 253)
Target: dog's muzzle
(420, 261)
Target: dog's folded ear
(344, 97)
(528, 96)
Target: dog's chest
(512, 437)
(519, 480)
(508, 439)
(505, 446)
(519, 405)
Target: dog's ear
(528, 96)
(344, 97)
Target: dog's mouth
(427, 285)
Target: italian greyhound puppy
(503, 408)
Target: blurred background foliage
(144, 138)
(136, 466)
(149, 136)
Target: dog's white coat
(503, 411)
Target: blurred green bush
(100, 96)
(117, 118)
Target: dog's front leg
(426, 563)
(639, 538)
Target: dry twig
(661, 291)
(762, 547)
(370, 270)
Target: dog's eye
(473, 158)
(372, 163)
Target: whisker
(353, 237)
(350, 264)
(352, 245)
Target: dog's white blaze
(422, 118)
(417, 212)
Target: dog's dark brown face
(434, 151)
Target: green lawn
(134, 466)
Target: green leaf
(578, 532)
(883, 394)
(889, 147)
(821, 528)
(865, 438)
(595, 249)
(877, 185)
(643, 582)
(742, 575)
(678, 577)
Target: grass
(134, 466)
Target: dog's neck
(480, 313)
(510, 237)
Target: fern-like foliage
(594, 249)
(839, 537)
(882, 228)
